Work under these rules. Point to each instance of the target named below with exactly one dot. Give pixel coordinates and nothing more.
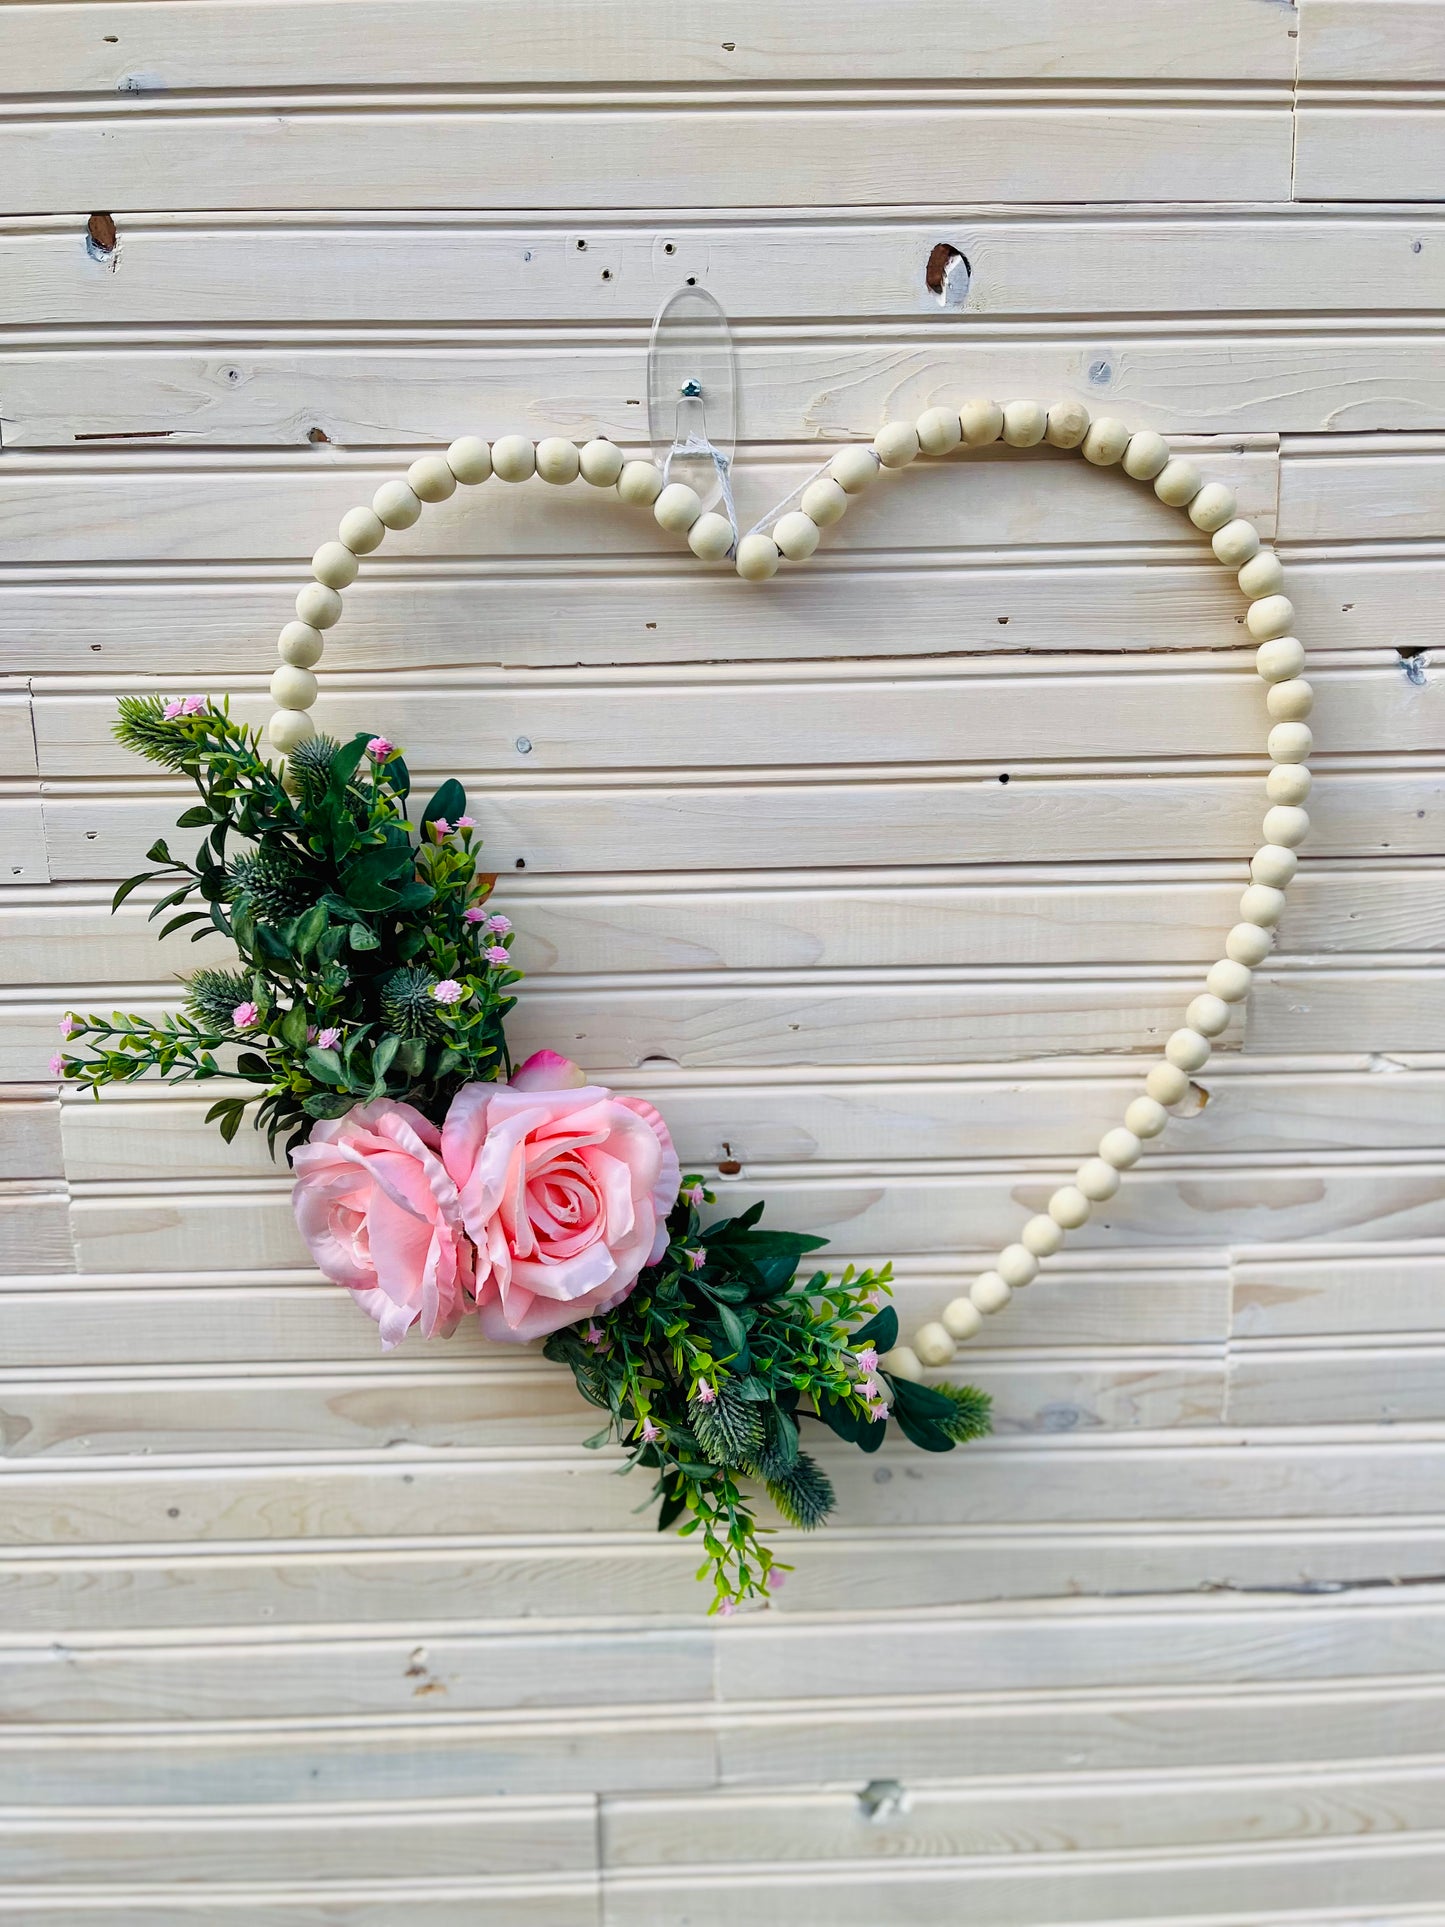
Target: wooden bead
(1262, 575)
(1067, 424)
(1228, 980)
(981, 422)
(1017, 1266)
(514, 459)
(1098, 1181)
(854, 469)
(1120, 1147)
(1290, 702)
(939, 430)
(1273, 865)
(397, 504)
(757, 558)
(1105, 442)
(934, 1343)
(289, 728)
(1024, 423)
(1235, 543)
(639, 484)
(293, 688)
(431, 479)
(824, 501)
(1263, 904)
(1187, 1050)
(989, 1292)
(1287, 825)
(362, 530)
(1166, 1084)
(902, 1362)
(1212, 507)
(558, 460)
(1041, 1236)
(334, 565)
(1288, 783)
(796, 535)
(961, 1317)
(318, 605)
(470, 459)
(1280, 659)
(1269, 616)
(1178, 482)
(896, 444)
(1207, 1014)
(300, 644)
(677, 508)
(1069, 1207)
(601, 462)
(1290, 742)
(1145, 456)
(1248, 943)
(1145, 1117)
(710, 537)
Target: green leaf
(368, 882)
(672, 1508)
(131, 883)
(158, 852)
(736, 1330)
(324, 1065)
(364, 938)
(250, 1063)
(881, 1331)
(310, 929)
(193, 818)
(294, 1026)
(180, 922)
(450, 801)
(384, 1057)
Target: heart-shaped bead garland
(794, 535)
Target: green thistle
(804, 1496)
(309, 767)
(407, 1004)
(971, 1417)
(728, 1428)
(273, 884)
(211, 995)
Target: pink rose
(378, 1207)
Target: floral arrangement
(436, 1183)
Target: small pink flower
(499, 923)
(871, 1388)
(697, 1259)
(173, 709)
(379, 748)
(441, 826)
(728, 1608)
(448, 991)
(475, 915)
(594, 1334)
(466, 822)
(867, 1360)
(695, 1195)
(705, 1394)
(496, 955)
(650, 1433)
(244, 1016)
(67, 1025)
(876, 1412)
(193, 705)
(777, 1579)
(329, 1038)
(57, 1065)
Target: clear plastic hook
(692, 393)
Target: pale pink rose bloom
(565, 1190)
(380, 1211)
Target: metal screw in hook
(691, 390)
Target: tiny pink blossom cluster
(536, 1204)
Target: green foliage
(803, 1494)
(211, 996)
(407, 1004)
(272, 884)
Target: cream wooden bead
(989, 1292)
(1269, 616)
(1024, 423)
(981, 422)
(397, 504)
(1274, 865)
(796, 535)
(1187, 1050)
(1263, 904)
(1146, 455)
(318, 605)
(1069, 1208)
(558, 460)
(961, 1317)
(1280, 659)
(757, 558)
(824, 501)
(1290, 742)
(470, 459)
(1228, 980)
(1207, 1014)
(639, 484)
(362, 530)
(939, 430)
(677, 508)
(1041, 1236)
(854, 469)
(1105, 442)
(300, 644)
(896, 444)
(1178, 482)
(710, 537)
(903, 1362)
(1287, 825)
(1290, 702)
(1098, 1181)
(1017, 1266)
(1166, 1084)
(430, 478)
(1067, 424)
(934, 1343)
(1120, 1147)
(1288, 783)
(289, 728)
(1212, 507)
(601, 462)
(1145, 1117)
(1248, 943)
(1235, 543)
(335, 565)
(293, 688)
(1262, 575)
(514, 459)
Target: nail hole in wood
(947, 275)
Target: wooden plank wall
(289, 1633)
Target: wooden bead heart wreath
(794, 536)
